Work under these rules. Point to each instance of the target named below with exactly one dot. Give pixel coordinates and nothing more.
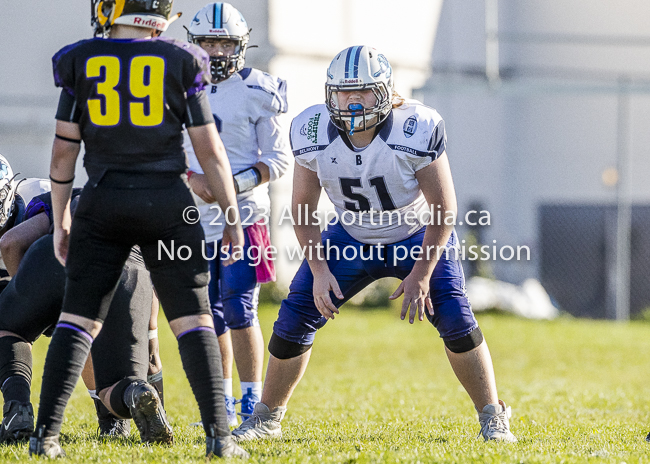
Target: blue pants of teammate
(234, 291)
(298, 319)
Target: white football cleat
(494, 423)
(262, 424)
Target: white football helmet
(7, 191)
(221, 21)
(359, 68)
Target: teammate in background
(246, 104)
(30, 307)
(377, 152)
(127, 97)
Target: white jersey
(246, 107)
(373, 189)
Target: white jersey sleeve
(422, 138)
(309, 135)
(268, 95)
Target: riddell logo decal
(148, 23)
(351, 81)
(219, 31)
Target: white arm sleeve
(273, 146)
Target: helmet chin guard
(359, 68)
(221, 21)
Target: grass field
(380, 390)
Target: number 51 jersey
(131, 98)
(374, 190)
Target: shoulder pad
(417, 131)
(274, 87)
(311, 130)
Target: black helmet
(152, 14)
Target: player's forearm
(64, 157)
(433, 245)
(15, 243)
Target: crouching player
(30, 306)
(377, 152)
(246, 104)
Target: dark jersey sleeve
(64, 77)
(198, 77)
(68, 110)
(43, 204)
(198, 112)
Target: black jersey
(131, 98)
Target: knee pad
(15, 359)
(466, 343)
(284, 349)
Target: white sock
(227, 387)
(255, 387)
(93, 394)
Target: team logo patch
(311, 131)
(410, 126)
(4, 172)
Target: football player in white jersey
(246, 104)
(382, 162)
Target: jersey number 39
(146, 76)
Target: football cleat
(262, 424)
(248, 402)
(222, 447)
(17, 422)
(148, 414)
(231, 413)
(494, 423)
(45, 446)
(109, 425)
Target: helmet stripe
(347, 62)
(218, 14)
(356, 61)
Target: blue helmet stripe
(347, 62)
(356, 61)
(217, 14)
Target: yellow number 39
(146, 84)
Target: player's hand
(233, 241)
(324, 282)
(416, 295)
(61, 243)
(199, 185)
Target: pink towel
(258, 235)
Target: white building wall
(549, 130)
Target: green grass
(380, 390)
